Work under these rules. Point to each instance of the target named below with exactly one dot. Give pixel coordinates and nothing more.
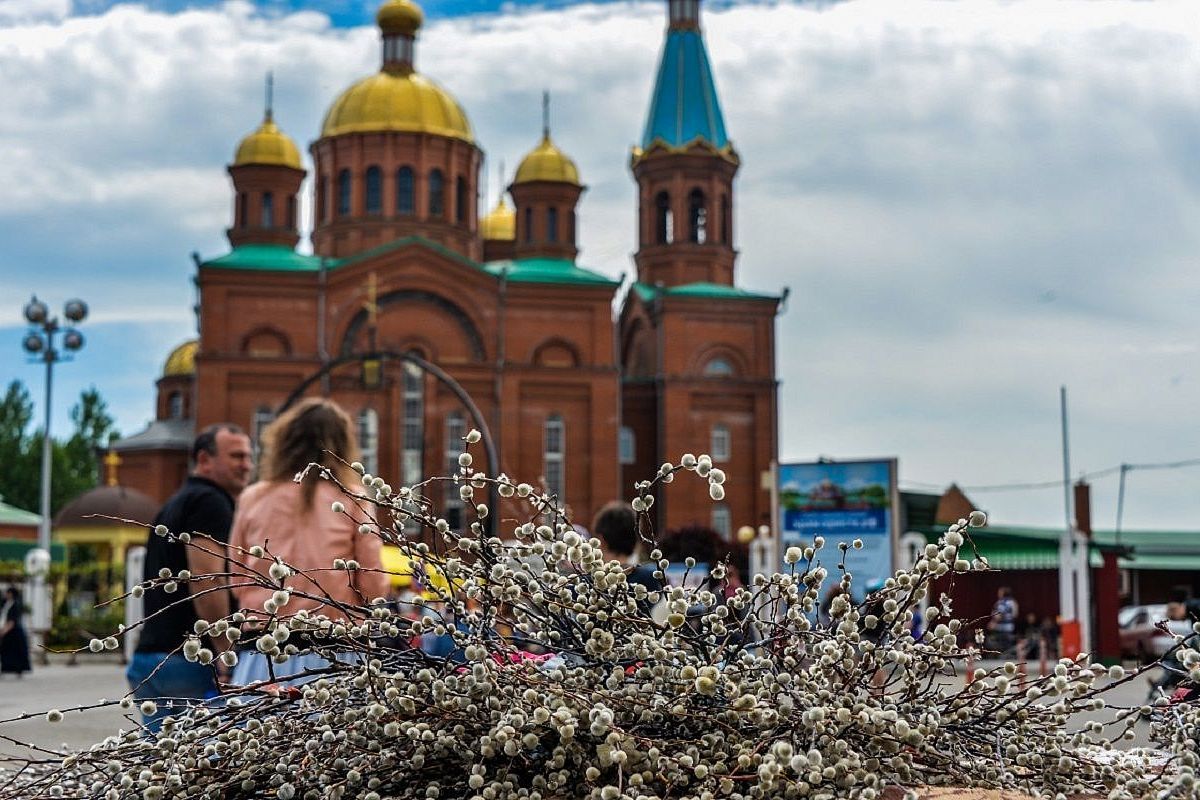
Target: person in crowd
(615, 526)
(222, 459)
(294, 521)
(14, 642)
(1003, 623)
(1029, 635)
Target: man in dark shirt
(204, 505)
(615, 526)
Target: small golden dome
(268, 145)
(501, 224)
(547, 163)
(399, 17)
(182, 360)
(388, 101)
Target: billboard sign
(842, 501)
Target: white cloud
(28, 11)
(972, 202)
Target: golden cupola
(267, 173)
(398, 98)
(547, 163)
(268, 145)
(501, 224)
(546, 189)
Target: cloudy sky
(972, 202)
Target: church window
(175, 405)
(664, 222)
(414, 424)
(368, 439)
(726, 219)
(404, 190)
(719, 445)
(552, 224)
(268, 210)
(242, 211)
(626, 445)
(721, 521)
(460, 199)
(553, 452)
(343, 193)
(528, 224)
(373, 190)
(456, 429)
(718, 368)
(437, 194)
(570, 226)
(697, 217)
(322, 201)
(291, 212)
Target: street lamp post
(40, 343)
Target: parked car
(1139, 636)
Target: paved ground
(62, 687)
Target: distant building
(585, 397)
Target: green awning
(15, 550)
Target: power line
(1055, 484)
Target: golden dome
(547, 163)
(182, 360)
(388, 101)
(399, 17)
(501, 224)
(268, 145)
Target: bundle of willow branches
(567, 680)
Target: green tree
(74, 463)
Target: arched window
(552, 224)
(528, 223)
(368, 439)
(726, 220)
(697, 217)
(570, 226)
(291, 212)
(414, 425)
(263, 417)
(554, 448)
(268, 210)
(664, 223)
(404, 190)
(626, 445)
(437, 194)
(721, 520)
(343, 193)
(460, 199)
(242, 211)
(720, 445)
(322, 201)
(175, 405)
(456, 429)
(718, 368)
(373, 190)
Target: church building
(423, 318)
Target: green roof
(547, 270)
(11, 515)
(275, 257)
(714, 291)
(15, 550)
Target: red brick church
(583, 383)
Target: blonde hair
(315, 431)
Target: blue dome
(684, 106)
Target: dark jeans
(177, 684)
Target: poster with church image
(842, 501)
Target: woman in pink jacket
(294, 522)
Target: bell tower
(266, 175)
(685, 166)
(546, 190)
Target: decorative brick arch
(729, 353)
(265, 341)
(556, 352)
(403, 296)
